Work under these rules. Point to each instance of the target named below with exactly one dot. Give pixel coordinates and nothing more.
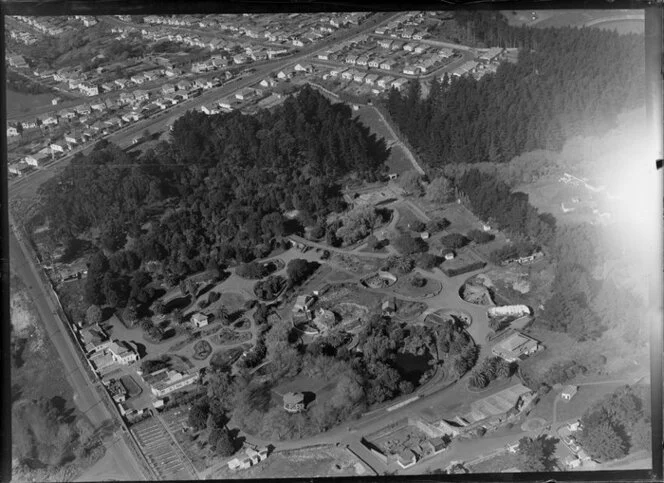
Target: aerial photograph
(332, 244)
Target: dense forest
(567, 81)
(215, 193)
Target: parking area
(161, 451)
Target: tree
(299, 269)
(454, 241)
(221, 442)
(357, 224)
(129, 315)
(479, 236)
(418, 281)
(198, 415)
(372, 242)
(503, 369)
(531, 454)
(602, 441)
(478, 380)
(439, 190)
(222, 313)
(159, 307)
(427, 261)
(410, 182)
(93, 314)
(407, 245)
(437, 224)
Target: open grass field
(564, 18)
(405, 287)
(497, 464)
(310, 463)
(20, 104)
(548, 195)
(398, 162)
(575, 408)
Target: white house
(122, 353)
(568, 392)
(12, 131)
(574, 426)
(199, 320)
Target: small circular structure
(380, 279)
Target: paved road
(27, 186)
(86, 397)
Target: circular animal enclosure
(380, 279)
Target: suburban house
(359, 76)
(37, 159)
(199, 320)
(269, 82)
(141, 95)
(371, 79)
(122, 353)
(165, 381)
(71, 139)
(98, 106)
(183, 85)
(12, 131)
(448, 254)
(385, 82)
(569, 392)
(49, 120)
(57, 148)
(516, 346)
(388, 65)
(572, 461)
(303, 68)
(400, 84)
(584, 456)
(167, 89)
(294, 402)
(245, 94)
(28, 125)
(206, 108)
(574, 426)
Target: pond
(178, 303)
(411, 366)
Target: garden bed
(229, 336)
(202, 350)
(242, 324)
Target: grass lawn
(20, 104)
(575, 408)
(497, 464)
(406, 216)
(305, 463)
(398, 161)
(404, 287)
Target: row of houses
(53, 26)
(383, 82)
(23, 37)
